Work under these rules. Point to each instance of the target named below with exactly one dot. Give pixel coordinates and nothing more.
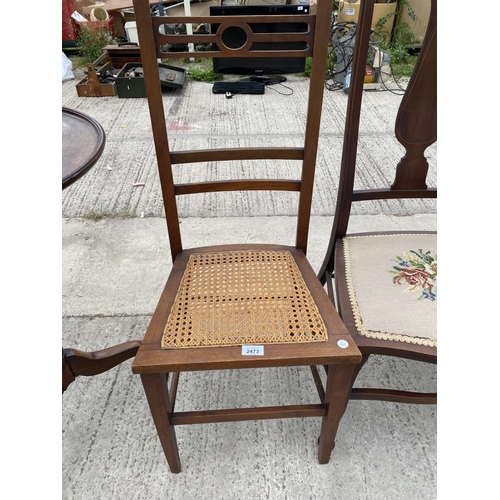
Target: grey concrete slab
(198, 119)
(116, 259)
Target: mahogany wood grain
(83, 141)
(392, 194)
(416, 123)
(241, 22)
(153, 363)
(238, 185)
(393, 396)
(157, 394)
(242, 414)
(336, 397)
(226, 154)
(76, 362)
(416, 130)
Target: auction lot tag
(252, 350)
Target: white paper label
(252, 350)
(350, 12)
(343, 344)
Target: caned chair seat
(392, 285)
(239, 297)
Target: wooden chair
(373, 271)
(221, 303)
(76, 363)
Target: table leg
(338, 389)
(156, 388)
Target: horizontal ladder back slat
(392, 194)
(238, 185)
(229, 154)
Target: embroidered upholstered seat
(245, 305)
(392, 285)
(386, 283)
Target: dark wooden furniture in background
(83, 141)
(156, 362)
(123, 53)
(416, 130)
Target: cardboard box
(422, 10)
(349, 11)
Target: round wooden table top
(83, 141)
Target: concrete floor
(116, 259)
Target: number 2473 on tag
(252, 350)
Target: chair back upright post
(415, 129)
(158, 123)
(351, 133)
(315, 103)
(152, 42)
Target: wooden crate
(91, 86)
(123, 53)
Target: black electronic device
(232, 38)
(244, 87)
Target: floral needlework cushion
(418, 270)
(392, 283)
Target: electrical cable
(232, 93)
(270, 85)
(342, 39)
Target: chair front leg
(156, 389)
(338, 390)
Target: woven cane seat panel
(392, 284)
(242, 297)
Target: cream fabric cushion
(392, 282)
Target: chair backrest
(415, 128)
(152, 42)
